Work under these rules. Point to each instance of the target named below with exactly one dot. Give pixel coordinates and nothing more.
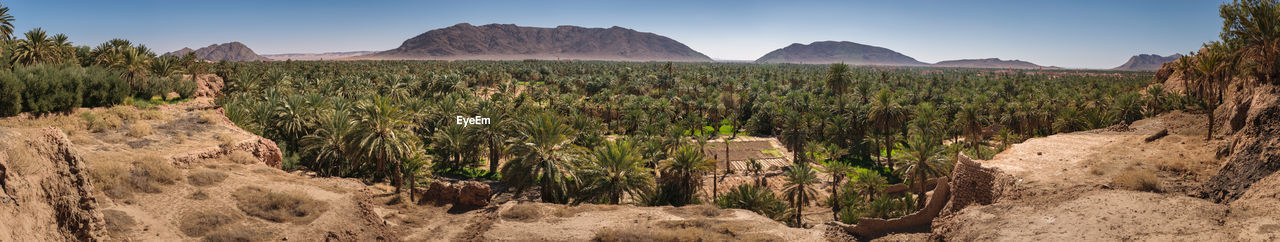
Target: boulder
(460, 193)
(473, 193)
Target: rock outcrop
(1146, 62)
(208, 85)
(461, 193)
(46, 191)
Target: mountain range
(511, 42)
(234, 51)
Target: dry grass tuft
(118, 223)
(208, 117)
(524, 212)
(225, 141)
(706, 211)
(124, 112)
(199, 223)
(1176, 166)
(237, 233)
(151, 171)
(198, 195)
(1137, 179)
(242, 157)
(153, 115)
(279, 207)
(139, 130)
(120, 180)
(205, 177)
(101, 123)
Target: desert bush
(50, 88)
(185, 87)
(208, 117)
(11, 90)
(199, 223)
(198, 195)
(153, 115)
(103, 87)
(205, 177)
(278, 207)
(237, 233)
(1137, 179)
(155, 86)
(524, 212)
(242, 157)
(125, 113)
(109, 177)
(99, 123)
(118, 223)
(152, 171)
(1174, 165)
(139, 130)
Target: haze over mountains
(234, 51)
(1145, 62)
(510, 42)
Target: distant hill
(317, 56)
(990, 63)
(234, 51)
(826, 52)
(1145, 62)
(510, 42)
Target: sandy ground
(1066, 191)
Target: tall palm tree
(455, 143)
(869, 182)
(838, 79)
(384, 136)
(36, 48)
(328, 144)
(615, 169)
(799, 189)
(887, 117)
(837, 169)
(6, 24)
(795, 135)
(542, 155)
(495, 133)
(971, 126)
(924, 149)
(684, 170)
(1211, 67)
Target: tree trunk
(835, 199)
(494, 155)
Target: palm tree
(454, 143)
(615, 169)
(838, 79)
(924, 149)
(384, 135)
(799, 189)
(887, 117)
(971, 126)
(794, 135)
(868, 181)
(6, 24)
(837, 169)
(756, 199)
(36, 48)
(542, 154)
(1210, 69)
(328, 144)
(1253, 29)
(494, 134)
(684, 171)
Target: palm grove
(613, 132)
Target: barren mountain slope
(510, 42)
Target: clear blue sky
(1081, 34)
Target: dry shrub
(278, 207)
(153, 115)
(110, 179)
(124, 112)
(1137, 179)
(1176, 166)
(139, 130)
(242, 157)
(118, 223)
(199, 195)
(225, 141)
(152, 171)
(524, 212)
(205, 177)
(208, 117)
(686, 230)
(706, 211)
(101, 123)
(199, 223)
(237, 233)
